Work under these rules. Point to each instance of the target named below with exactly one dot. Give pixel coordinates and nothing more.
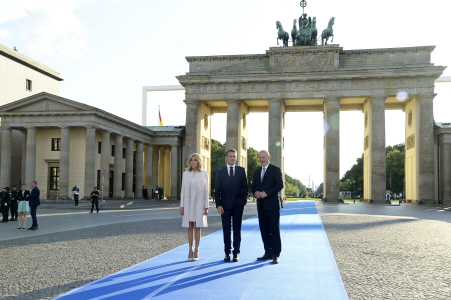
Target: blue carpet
(307, 268)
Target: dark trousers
(96, 202)
(232, 217)
(269, 222)
(33, 216)
(5, 210)
(76, 199)
(14, 207)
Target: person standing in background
(14, 212)
(23, 207)
(6, 200)
(34, 202)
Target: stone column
(118, 163)
(332, 149)
(30, 169)
(139, 169)
(161, 162)
(167, 173)
(5, 172)
(174, 173)
(64, 162)
(445, 170)
(149, 169)
(191, 130)
(155, 166)
(275, 131)
(90, 162)
(233, 125)
(375, 148)
(105, 164)
(129, 169)
(426, 150)
(24, 156)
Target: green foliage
(252, 165)
(320, 189)
(292, 185)
(218, 151)
(395, 163)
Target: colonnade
(422, 151)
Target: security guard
(95, 200)
(6, 200)
(14, 203)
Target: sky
(107, 50)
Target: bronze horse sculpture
(327, 33)
(282, 35)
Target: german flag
(160, 120)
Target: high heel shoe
(196, 255)
(190, 255)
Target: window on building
(54, 178)
(56, 144)
(99, 147)
(28, 85)
(98, 180)
(112, 150)
(123, 181)
(123, 152)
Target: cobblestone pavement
(42, 266)
(382, 252)
(388, 257)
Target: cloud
(48, 27)
(4, 34)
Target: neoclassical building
(67, 143)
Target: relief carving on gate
(304, 60)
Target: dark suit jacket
(230, 192)
(24, 197)
(272, 184)
(33, 199)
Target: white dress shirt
(228, 170)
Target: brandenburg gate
(321, 78)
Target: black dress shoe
(264, 257)
(32, 228)
(227, 257)
(236, 258)
(275, 260)
(90, 212)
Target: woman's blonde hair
(198, 159)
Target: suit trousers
(33, 210)
(14, 207)
(269, 222)
(96, 202)
(232, 217)
(5, 210)
(76, 199)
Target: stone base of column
(173, 198)
(117, 198)
(332, 200)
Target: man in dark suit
(231, 196)
(95, 200)
(266, 187)
(5, 202)
(14, 203)
(34, 202)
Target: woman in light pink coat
(194, 202)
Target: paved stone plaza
(383, 252)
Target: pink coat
(202, 198)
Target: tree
(218, 151)
(320, 189)
(252, 165)
(395, 163)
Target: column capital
(191, 102)
(278, 100)
(235, 101)
(167, 150)
(376, 98)
(64, 127)
(327, 99)
(30, 127)
(426, 96)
